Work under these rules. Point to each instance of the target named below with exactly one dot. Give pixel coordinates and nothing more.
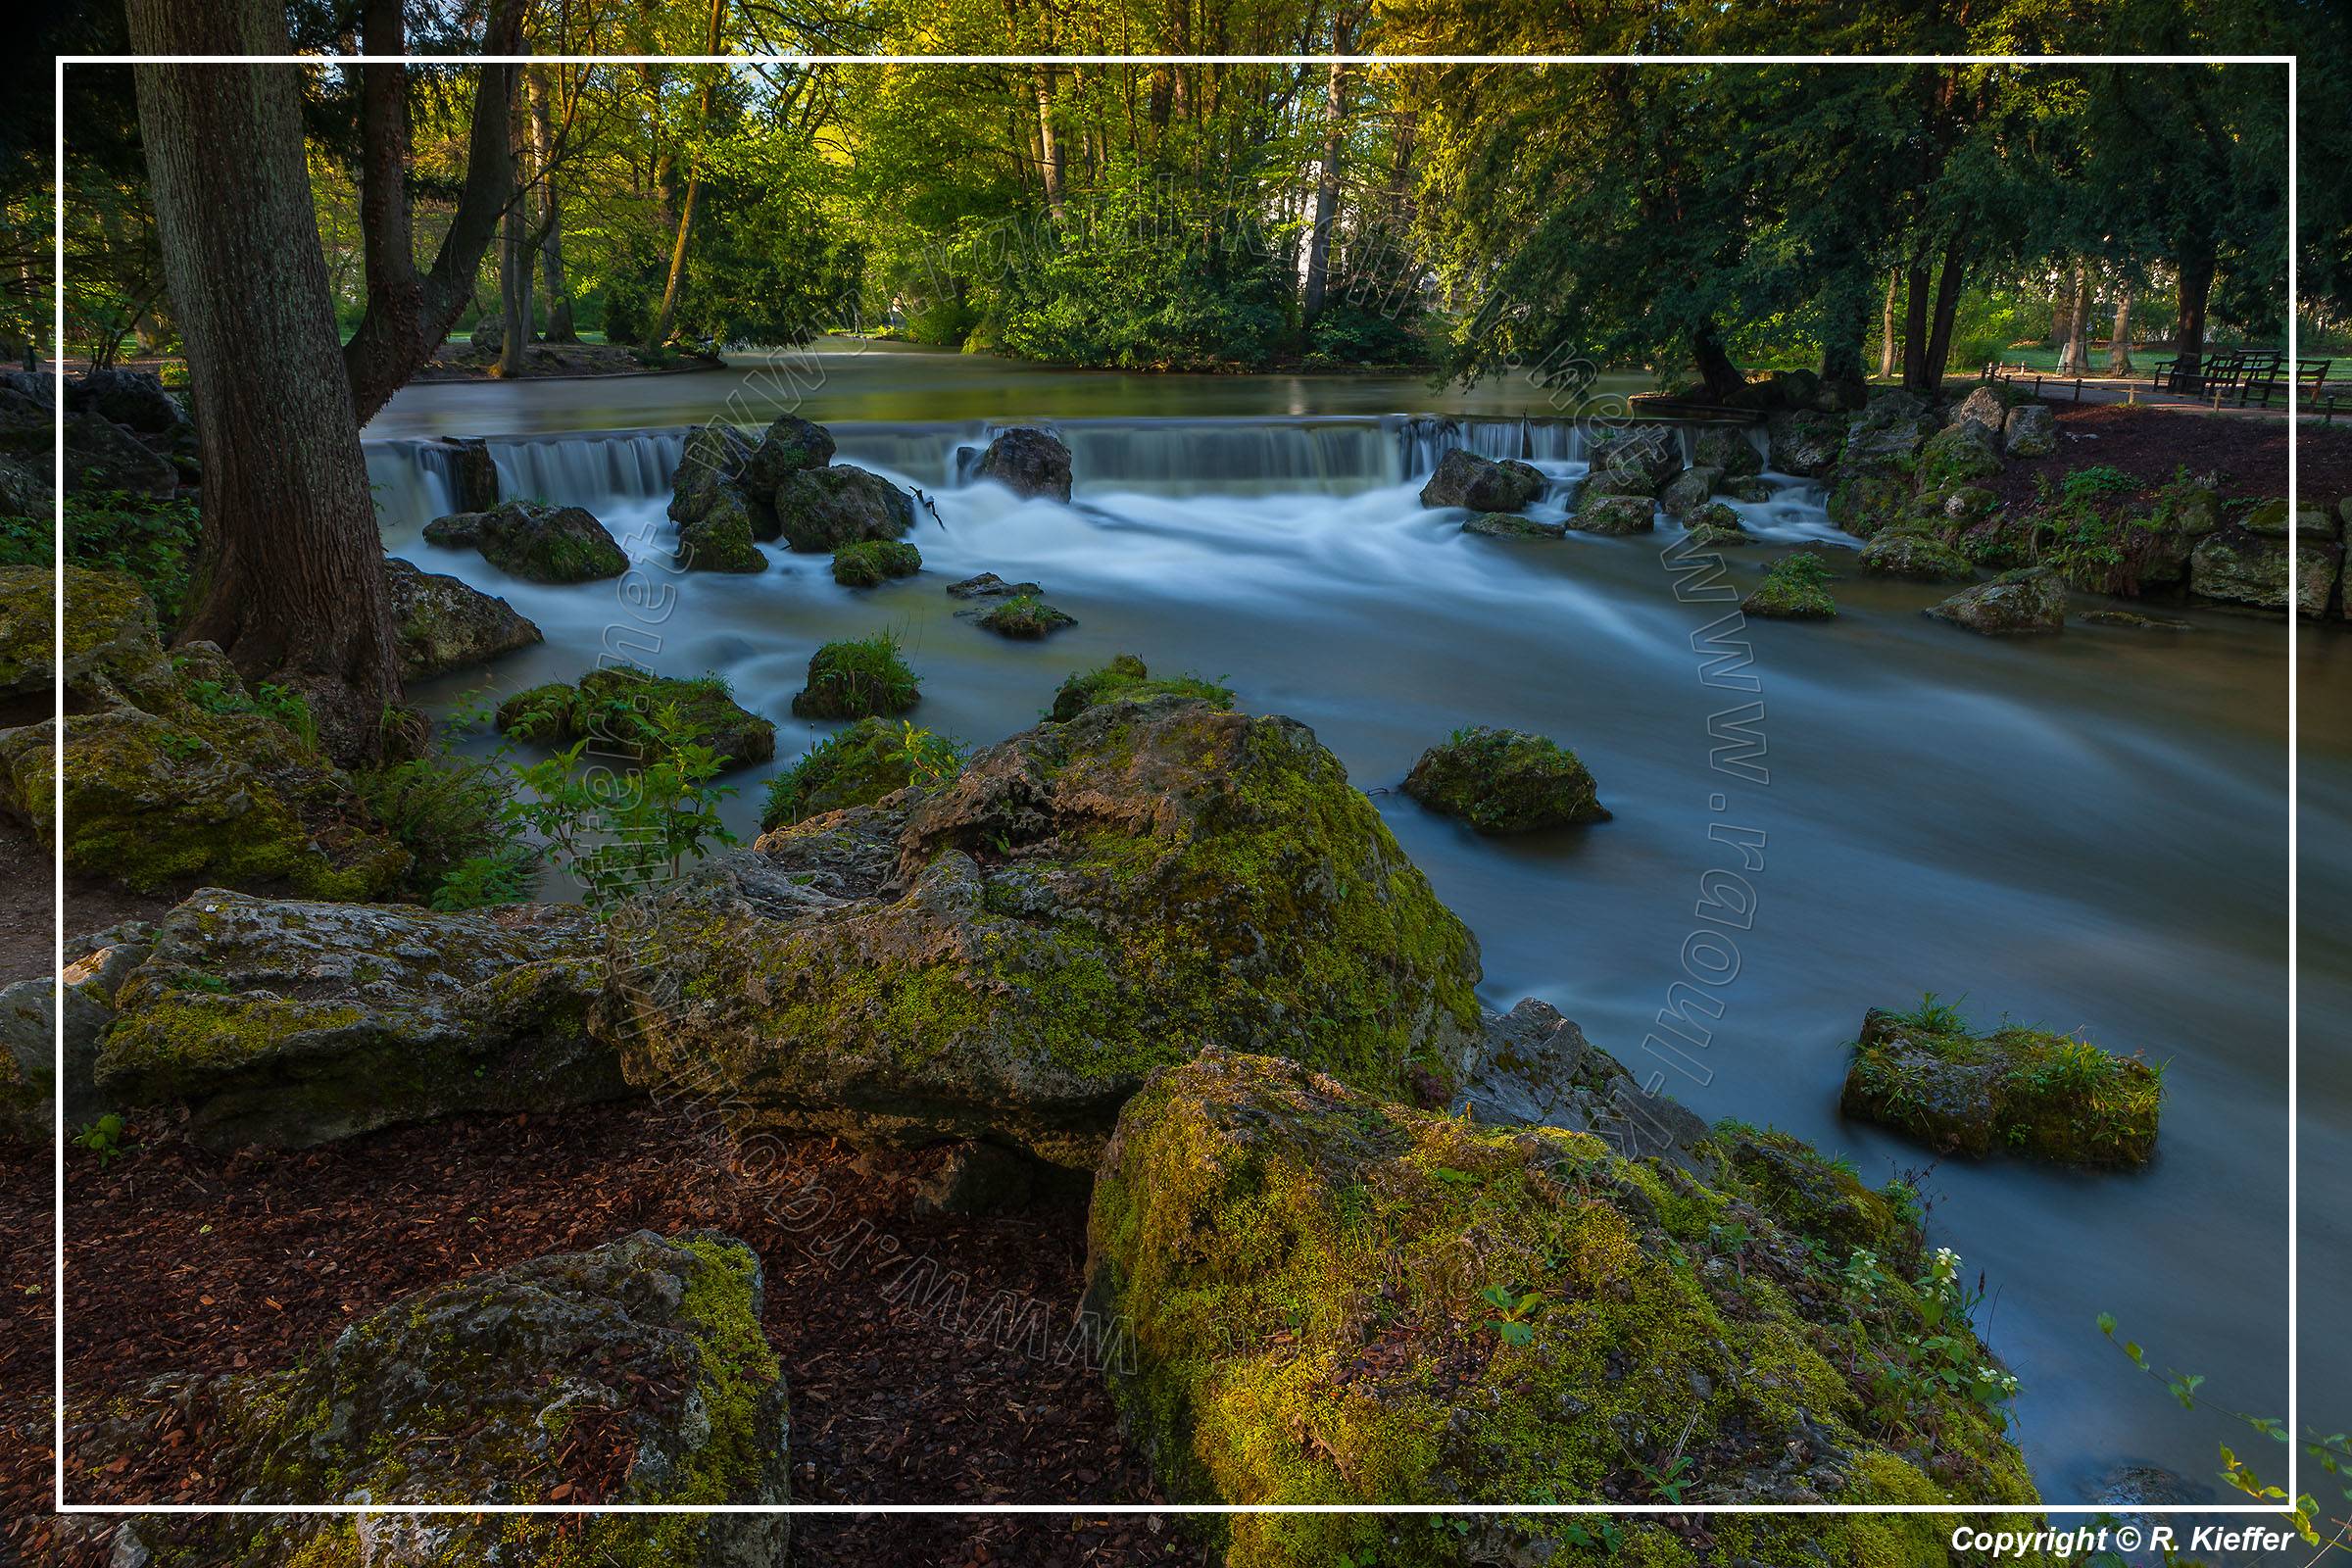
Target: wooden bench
(2268, 385)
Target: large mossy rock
(291, 1022)
(856, 766)
(635, 1373)
(1126, 679)
(1919, 556)
(824, 509)
(1804, 442)
(1506, 781)
(1029, 462)
(1334, 1298)
(1597, 512)
(2027, 601)
(176, 773)
(2029, 431)
(788, 446)
(28, 636)
(27, 1065)
(625, 712)
(1727, 449)
(534, 541)
(1963, 454)
(1690, 490)
(1794, 588)
(2248, 564)
(441, 624)
(1463, 478)
(1644, 456)
(870, 563)
(2028, 1090)
(1005, 957)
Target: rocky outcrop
(1125, 679)
(1804, 442)
(2028, 599)
(1727, 450)
(1506, 781)
(2031, 431)
(2257, 561)
(136, 399)
(1465, 479)
(1028, 462)
(1689, 490)
(441, 624)
(824, 509)
(731, 492)
(625, 712)
(635, 1373)
(1324, 1294)
(291, 1022)
(1006, 957)
(1983, 411)
(1919, 556)
(534, 541)
(174, 772)
(2049, 1096)
(790, 445)
(988, 585)
(1639, 457)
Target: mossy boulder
(988, 585)
(2029, 431)
(709, 473)
(2028, 1090)
(1613, 515)
(721, 538)
(1463, 478)
(1506, 781)
(176, 773)
(1715, 525)
(1796, 588)
(534, 541)
(1649, 456)
(628, 713)
(27, 1064)
(790, 445)
(2243, 566)
(1125, 679)
(1727, 450)
(1025, 617)
(1963, 454)
(1505, 525)
(857, 766)
(27, 634)
(870, 563)
(293, 1022)
(1804, 442)
(2027, 601)
(634, 1373)
(1750, 491)
(1864, 502)
(441, 624)
(1918, 557)
(824, 509)
(1811, 1194)
(1334, 1298)
(1005, 957)
(1689, 490)
(1983, 410)
(1028, 462)
(858, 678)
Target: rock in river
(535, 541)
(1005, 957)
(441, 624)
(1506, 781)
(621, 711)
(289, 1022)
(1466, 479)
(2031, 599)
(1029, 462)
(635, 1373)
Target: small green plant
(857, 766)
(1668, 1482)
(619, 833)
(1602, 1532)
(450, 812)
(269, 701)
(1935, 1015)
(1515, 1313)
(103, 1138)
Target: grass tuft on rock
(858, 678)
(858, 766)
(1506, 781)
(869, 563)
(1126, 679)
(1026, 617)
(1796, 588)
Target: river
(2088, 831)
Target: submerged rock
(441, 624)
(871, 563)
(1922, 558)
(1025, 617)
(290, 1022)
(1465, 479)
(1504, 525)
(1006, 957)
(2028, 1090)
(2028, 599)
(2134, 621)
(635, 1373)
(988, 585)
(1029, 462)
(1322, 1295)
(534, 541)
(624, 712)
(1506, 781)
(1125, 679)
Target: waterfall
(413, 481)
(586, 470)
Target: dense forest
(1702, 221)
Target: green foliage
(1025, 617)
(103, 1138)
(871, 562)
(1514, 1313)
(1126, 679)
(857, 678)
(271, 702)
(153, 541)
(450, 811)
(859, 765)
(621, 833)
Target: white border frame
(2293, 798)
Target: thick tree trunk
(1327, 183)
(2073, 352)
(1917, 279)
(1947, 309)
(514, 295)
(1894, 283)
(1845, 329)
(1723, 378)
(560, 327)
(1927, 328)
(2118, 340)
(694, 190)
(289, 579)
(2196, 284)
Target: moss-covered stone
(290, 1024)
(441, 624)
(1125, 679)
(2048, 1095)
(27, 632)
(1612, 513)
(1463, 478)
(1796, 588)
(535, 541)
(1806, 442)
(636, 1373)
(1504, 526)
(1918, 557)
(624, 712)
(858, 678)
(1004, 957)
(1316, 1297)
(871, 758)
(2028, 600)
(1727, 449)
(824, 509)
(1506, 781)
(873, 561)
(721, 537)
(1025, 617)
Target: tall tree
(2074, 349)
(560, 325)
(706, 103)
(2118, 340)
(290, 584)
(1327, 180)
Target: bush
(855, 679)
(152, 541)
(450, 812)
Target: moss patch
(1026, 617)
(856, 679)
(629, 712)
(873, 561)
(1796, 588)
(1506, 781)
(858, 766)
(1125, 678)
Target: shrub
(153, 541)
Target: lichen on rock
(1007, 955)
(481, 1391)
(2050, 1095)
(1506, 781)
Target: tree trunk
(2118, 340)
(1948, 309)
(1723, 378)
(560, 327)
(1895, 281)
(2073, 352)
(694, 189)
(2196, 284)
(1327, 182)
(289, 577)
(1048, 150)
(514, 295)
(1845, 329)
(1916, 380)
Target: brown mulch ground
(28, 938)
(184, 1260)
(2153, 442)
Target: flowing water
(2085, 831)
